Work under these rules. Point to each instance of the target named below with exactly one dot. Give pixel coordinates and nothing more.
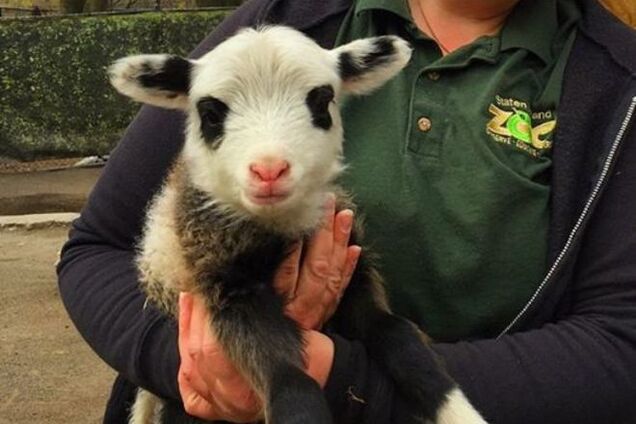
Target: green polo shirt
(450, 165)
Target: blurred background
(59, 119)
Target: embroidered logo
(513, 123)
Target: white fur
(147, 409)
(268, 118)
(162, 262)
(458, 410)
(264, 77)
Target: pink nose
(269, 171)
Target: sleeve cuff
(356, 390)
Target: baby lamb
(263, 147)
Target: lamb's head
(264, 135)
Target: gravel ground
(48, 374)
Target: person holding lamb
(496, 176)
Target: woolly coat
(570, 355)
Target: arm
(587, 361)
(97, 277)
(579, 369)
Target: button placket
(424, 131)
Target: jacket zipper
(602, 181)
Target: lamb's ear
(368, 63)
(156, 79)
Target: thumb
(185, 313)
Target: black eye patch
(212, 112)
(318, 100)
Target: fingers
(197, 328)
(211, 388)
(341, 234)
(230, 394)
(351, 260)
(185, 314)
(317, 266)
(286, 277)
(326, 269)
(195, 390)
(237, 399)
(242, 411)
(191, 385)
(352, 256)
(193, 403)
(191, 334)
(321, 244)
(211, 360)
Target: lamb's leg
(419, 376)
(398, 346)
(266, 346)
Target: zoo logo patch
(514, 124)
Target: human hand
(314, 287)
(211, 388)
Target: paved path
(48, 374)
(37, 221)
(48, 191)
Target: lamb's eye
(212, 112)
(318, 100)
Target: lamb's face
(264, 135)
(264, 131)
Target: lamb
(263, 147)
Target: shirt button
(424, 124)
(433, 76)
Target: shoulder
(319, 19)
(303, 14)
(299, 14)
(610, 34)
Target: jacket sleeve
(580, 369)
(97, 277)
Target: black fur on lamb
(231, 262)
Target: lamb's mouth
(269, 199)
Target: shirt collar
(533, 24)
(397, 7)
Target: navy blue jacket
(569, 356)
